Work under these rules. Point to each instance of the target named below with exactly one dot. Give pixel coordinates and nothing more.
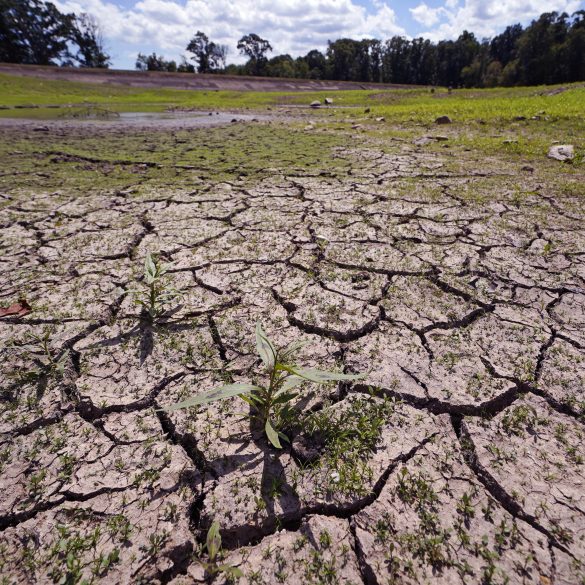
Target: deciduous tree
(255, 48)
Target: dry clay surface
(458, 290)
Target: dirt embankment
(208, 82)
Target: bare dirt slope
(157, 79)
(455, 283)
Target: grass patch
(92, 160)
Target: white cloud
(426, 15)
(487, 18)
(294, 26)
(291, 26)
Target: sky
(295, 26)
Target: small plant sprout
(272, 403)
(48, 362)
(158, 290)
(213, 547)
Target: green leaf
(213, 541)
(253, 400)
(60, 364)
(149, 268)
(322, 376)
(265, 347)
(291, 349)
(284, 397)
(233, 571)
(290, 383)
(213, 395)
(272, 434)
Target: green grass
(416, 105)
(80, 162)
(28, 91)
(422, 106)
(484, 122)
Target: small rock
(510, 141)
(315, 104)
(308, 449)
(367, 111)
(528, 168)
(41, 129)
(443, 120)
(381, 119)
(422, 141)
(519, 118)
(440, 138)
(234, 120)
(360, 277)
(211, 113)
(356, 127)
(562, 152)
(328, 101)
(309, 127)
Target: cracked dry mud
(457, 284)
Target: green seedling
(214, 553)
(271, 403)
(47, 362)
(158, 291)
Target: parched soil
(453, 280)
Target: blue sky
(295, 26)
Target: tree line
(549, 50)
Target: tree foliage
(90, 42)
(36, 32)
(208, 55)
(550, 50)
(155, 62)
(255, 48)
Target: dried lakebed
(456, 282)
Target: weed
(158, 291)
(47, 363)
(271, 403)
(66, 556)
(214, 553)
(156, 542)
(349, 436)
(520, 418)
(119, 527)
(429, 541)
